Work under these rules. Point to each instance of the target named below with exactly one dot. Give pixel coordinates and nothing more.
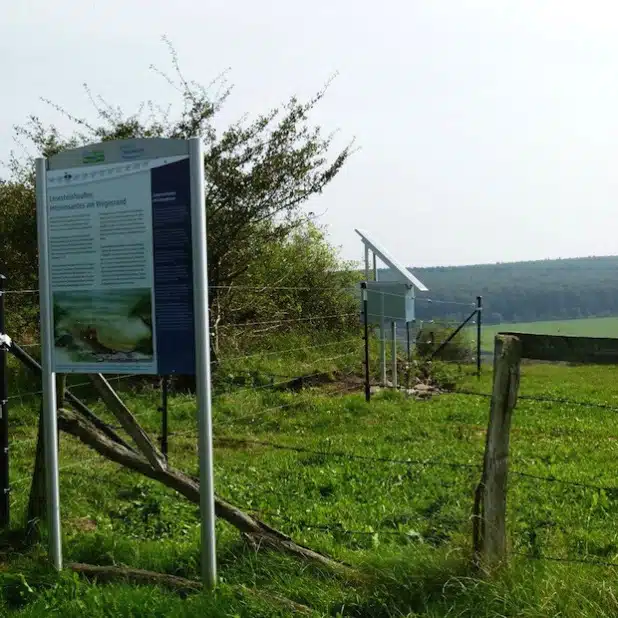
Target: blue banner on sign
(173, 268)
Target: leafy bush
(446, 376)
(299, 284)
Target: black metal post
(366, 325)
(479, 312)
(164, 415)
(5, 487)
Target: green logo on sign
(94, 156)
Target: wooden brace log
(143, 442)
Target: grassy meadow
(584, 327)
(372, 486)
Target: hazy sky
(488, 129)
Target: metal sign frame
(131, 151)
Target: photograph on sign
(103, 326)
(121, 267)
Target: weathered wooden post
(490, 504)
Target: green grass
(585, 327)
(405, 527)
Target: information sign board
(120, 261)
(123, 285)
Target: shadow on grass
(415, 582)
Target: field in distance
(585, 327)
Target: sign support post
(50, 424)
(202, 363)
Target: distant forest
(522, 291)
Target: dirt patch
(332, 382)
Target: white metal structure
(50, 421)
(379, 251)
(401, 310)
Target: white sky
(488, 128)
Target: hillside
(524, 291)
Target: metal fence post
(366, 325)
(382, 343)
(394, 352)
(4, 419)
(479, 311)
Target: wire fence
(567, 514)
(611, 491)
(339, 528)
(233, 334)
(345, 357)
(256, 383)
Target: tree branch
(128, 421)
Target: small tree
(259, 175)
(18, 254)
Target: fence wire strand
(337, 527)
(71, 387)
(287, 351)
(601, 563)
(300, 288)
(540, 399)
(344, 455)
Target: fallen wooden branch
(136, 576)
(98, 435)
(181, 585)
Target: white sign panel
(106, 280)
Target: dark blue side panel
(173, 269)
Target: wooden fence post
(490, 503)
